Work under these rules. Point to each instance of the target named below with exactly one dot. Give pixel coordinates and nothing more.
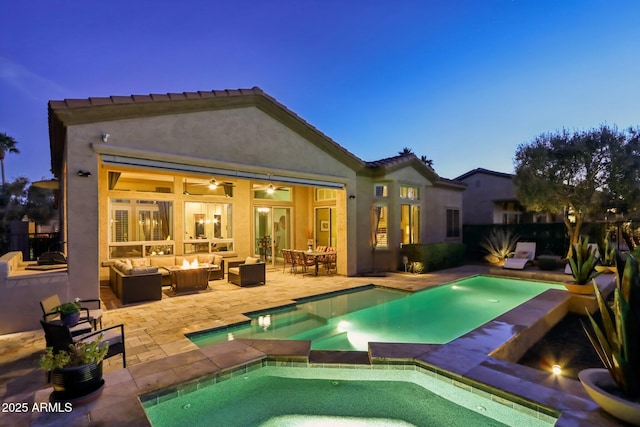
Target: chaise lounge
(525, 253)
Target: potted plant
(607, 262)
(499, 245)
(617, 388)
(583, 261)
(69, 312)
(77, 371)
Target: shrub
(425, 257)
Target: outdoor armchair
(91, 314)
(248, 272)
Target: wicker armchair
(248, 272)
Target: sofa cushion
(252, 260)
(122, 266)
(216, 260)
(234, 270)
(163, 261)
(136, 271)
(139, 262)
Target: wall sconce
(352, 196)
(84, 174)
(105, 137)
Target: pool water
(287, 396)
(351, 320)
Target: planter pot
(495, 261)
(605, 269)
(71, 319)
(76, 382)
(600, 387)
(574, 288)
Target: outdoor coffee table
(189, 279)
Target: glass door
(325, 227)
(272, 229)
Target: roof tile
(122, 99)
(160, 97)
(142, 98)
(76, 103)
(100, 101)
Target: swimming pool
(349, 321)
(335, 396)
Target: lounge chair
(525, 253)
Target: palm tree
(7, 145)
(405, 151)
(427, 161)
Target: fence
(553, 238)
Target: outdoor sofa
(141, 279)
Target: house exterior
(234, 172)
(490, 198)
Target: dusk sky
(463, 82)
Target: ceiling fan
(214, 184)
(268, 188)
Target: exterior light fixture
(271, 189)
(556, 370)
(84, 174)
(105, 137)
(213, 184)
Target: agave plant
(616, 339)
(499, 245)
(607, 254)
(583, 261)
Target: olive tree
(579, 175)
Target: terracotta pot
(574, 288)
(599, 385)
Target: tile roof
(483, 171)
(63, 113)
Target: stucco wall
(480, 194)
(245, 139)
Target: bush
(426, 257)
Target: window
(409, 192)
(410, 224)
(453, 222)
(138, 225)
(140, 182)
(324, 194)
(207, 227)
(271, 192)
(380, 190)
(381, 228)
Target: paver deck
(155, 341)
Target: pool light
(343, 325)
(556, 370)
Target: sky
(462, 82)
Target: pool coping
(475, 359)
